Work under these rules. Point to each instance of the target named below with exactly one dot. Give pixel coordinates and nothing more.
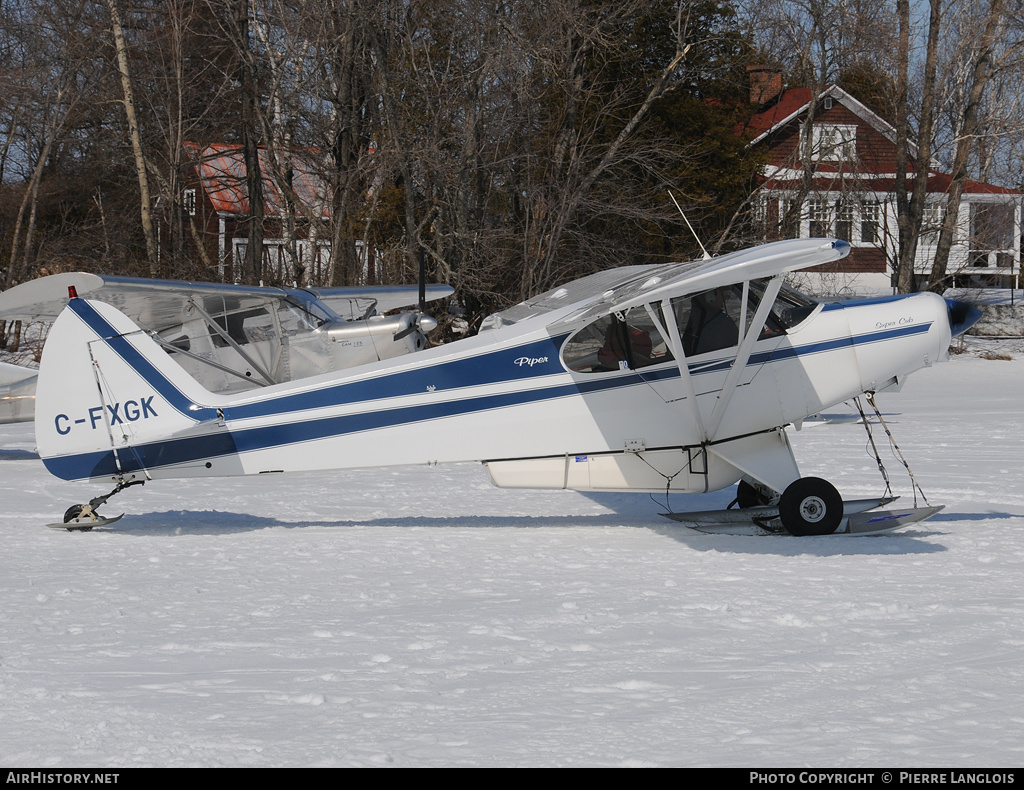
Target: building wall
(836, 207)
(875, 152)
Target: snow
(420, 617)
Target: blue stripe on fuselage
(790, 352)
(177, 451)
(842, 305)
(532, 360)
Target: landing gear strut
(755, 495)
(82, 518)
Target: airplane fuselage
(507, 397)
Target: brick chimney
(765, 84)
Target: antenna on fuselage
(683, 215)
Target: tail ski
(109, 398)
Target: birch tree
(121, 49)
(982, 61)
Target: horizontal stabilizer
(17, 393)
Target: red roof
(794, 100)
(221, 170)
(791, 101)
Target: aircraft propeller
(962, 316)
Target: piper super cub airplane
(677, 378)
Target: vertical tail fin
(105, 391)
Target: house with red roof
(218, 202)
(844, 179)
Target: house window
(769, 215)
(844, 222)
(992, 228)
(832, 142)
(931, 223)
(820, 215)
(870, 216)
(761, 212)
(188, 201)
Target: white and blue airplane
(678, 378)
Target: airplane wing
(162, 303)
(153, 303)
(14, 374)
(386, 297)
(652, 284)
(584, 290)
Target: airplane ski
(85, 524)
(888, 520)
(860, 519)
(747, 514)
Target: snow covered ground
(420, 617)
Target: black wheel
(750, 495)
(73, 512)
(811, 506)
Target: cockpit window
(794, 307)
(710, 320)
(715, 320)
(616, 342)
(243, 326)
(791, 307)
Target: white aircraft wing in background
(234, 337)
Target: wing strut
(743, 353)
(231, 342)
(675, 339)
(171, 348)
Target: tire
(811, 506)
(72, 513)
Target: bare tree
(984, 62)
(516, 146)
(184, 78)
(910, 203)
(121, 49)
(58, 71)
